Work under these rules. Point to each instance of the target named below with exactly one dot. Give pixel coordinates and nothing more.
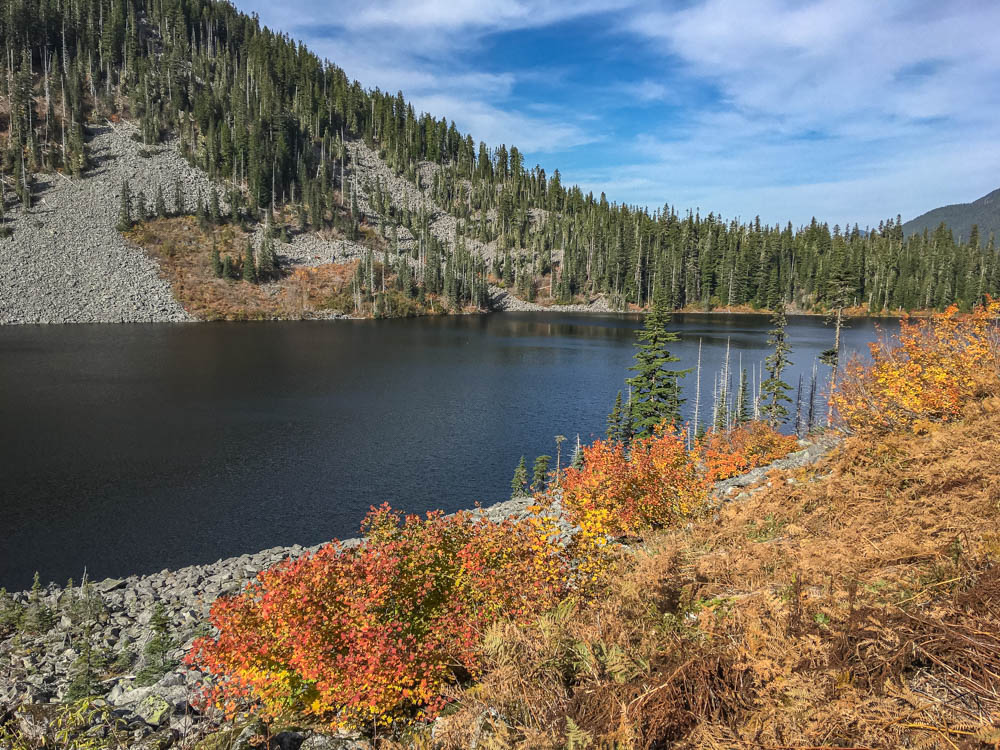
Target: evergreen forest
(270, 123)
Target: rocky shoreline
(37, 669)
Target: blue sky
(849, 110)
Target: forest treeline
(269, 121)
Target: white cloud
(838, 108)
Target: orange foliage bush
(651, 487)
(368, 636)
(927, 373)
(728, 453)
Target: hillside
(960, 218)
(299, 156)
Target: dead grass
(868, 616)
(183, 248)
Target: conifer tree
(743, 412)
(178, 198)
(85, 671)
(655, 390)
(161, 203)
(214, 212)
(125, 212)
(139, 210)
(774, 390)
(577, 460)
(216, 262)
(157, 650)
(539, 473)
(249, 269)
(227, 267)
(519, 484)
(615, 421)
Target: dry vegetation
(859, 611)
(183, 248)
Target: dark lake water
(128, 449)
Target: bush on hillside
(369, 636)
(927, 373)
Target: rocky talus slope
(36, 668)
(66, 263)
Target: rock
(154, 710)
(321, 741)
(160, 740)
(109, 584)
(286, 741)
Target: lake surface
(132, 448)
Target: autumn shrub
(617, 493)
(728, 453)
(368, 636)
(927, 373)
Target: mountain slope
(299, 152)
(960, 218)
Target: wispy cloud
(838, 108)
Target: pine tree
(267, 261)
(615, 421)
(656, 393)
(214, 212)
(85, 671)
(157, 650)
(199, 210)
(161, 203)
(577, 460)
(125, 212)
(519, 484)
(227, 267)
(743, 408)
(216, 262)
(539, 473)
(38, 617)
(249, 269)
(178, 199)
(139, 210)
(774, 390)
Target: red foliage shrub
(732, 452)
(354, 637)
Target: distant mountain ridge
(959, 217)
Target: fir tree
(156, 653)
(615, 421)
(539, 473)
(139, 209)
(656, 393)
(519, 484)
(161, 203)
(216, 262)
(38, 617)
(743, 410)
(199, 210)
(178, 199)
(214, 212)
(227, 267)
(125, 212)
(249, 270)
(774, 390)
(577, 460)
(267, 262)
(85, 671)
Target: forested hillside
(279, 131)
(973, 222)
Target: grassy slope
(852, 604)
